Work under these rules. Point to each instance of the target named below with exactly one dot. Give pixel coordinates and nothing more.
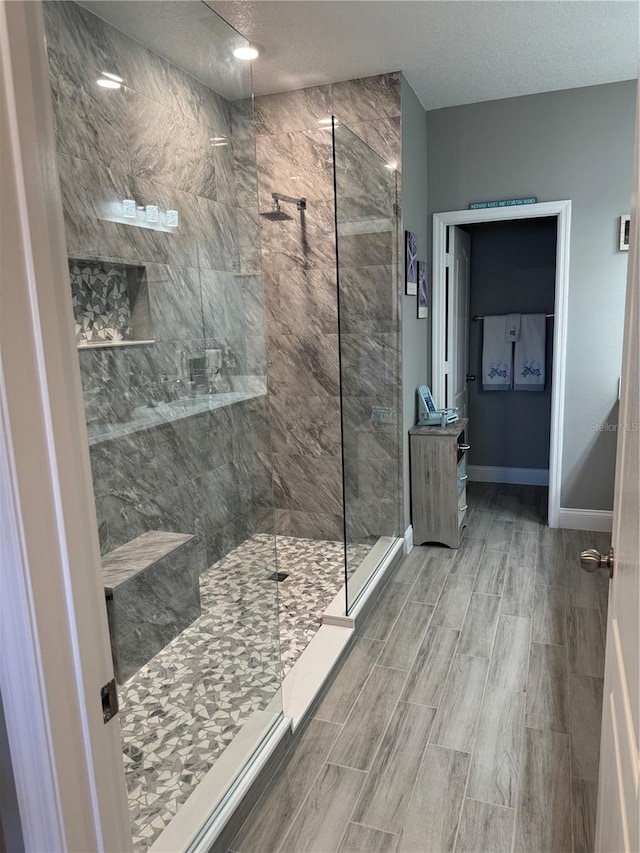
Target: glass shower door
(369, 343)
(156, 158)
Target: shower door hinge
(109, 696)
(396, 209)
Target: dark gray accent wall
(513, 268)
(575, 144)
(416, 334)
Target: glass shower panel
(156, 156)
(367, 246)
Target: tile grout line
(373, 665)
(395, 621)
(284, 763)
(393, 712)
(567, 608)
(298, 811)
(422, 759)
(466, 784)
(374, 828)
(375, 754)
(455, 648)
(541, 527)
(519, 782)
(524, 726)
(427, 740)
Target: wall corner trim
(600, 520)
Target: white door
(458, 319)
(617, 827)
(54, 642)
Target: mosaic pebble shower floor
(183, 708)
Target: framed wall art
(624, 232)
(423, 292)
(411, 263)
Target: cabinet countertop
(449, 430)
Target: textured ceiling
(452, 51)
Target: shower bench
(152, 590)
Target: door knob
(471, 377)
(592, 560)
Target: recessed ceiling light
(247, 51)
(108, 83)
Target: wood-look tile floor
(466, 716)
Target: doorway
(512, 271)
(452, 318)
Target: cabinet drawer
(462, 475)
(462, 505)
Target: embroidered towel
(512, 327)
(529, 367)
(497, 355)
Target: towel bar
(478, 317)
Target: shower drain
(278, 576)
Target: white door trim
(54, 643)
(561, 210)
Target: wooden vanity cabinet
(438, 483)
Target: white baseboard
(408, 539)
(518, 476)
(600, 520)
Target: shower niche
(110, 303)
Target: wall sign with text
(505, 202)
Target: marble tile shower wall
(294, 157)
(151, 141)
(369, 340)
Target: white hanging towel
(529, 360)
(497, 355)
(512, 327)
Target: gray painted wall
(513, 267)
(575, 144)
(415, 333)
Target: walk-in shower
(240, 371)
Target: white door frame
(561, 210)
(54, 642)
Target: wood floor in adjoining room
(466, 716)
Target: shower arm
(301, 203)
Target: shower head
(276, 214)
